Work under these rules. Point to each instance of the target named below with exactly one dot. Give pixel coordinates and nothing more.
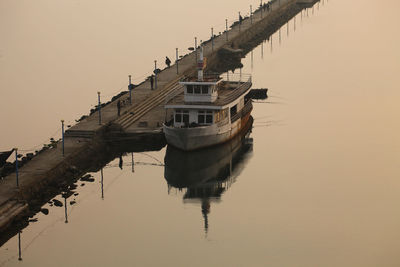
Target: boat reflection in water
(204, 175)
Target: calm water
(315, 184)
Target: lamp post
(98, 98)
(240, 21)
(212, 39)
(251, 14)
(62, 136)
(177, 68)
(195, 47)
(226, 27)
(16, 166)
(155, 74)
(130, 87)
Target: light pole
(226, 26)
(62, 135)
(16, 166)
(155, 74)
(195, 47)
(130, 87)
(98, 98)
(251, 14)
(212, 39)
(177, 68)
(240, 21)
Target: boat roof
(226, 95)
(207, 79)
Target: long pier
(140, 122)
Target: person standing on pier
(151, 81)
(167, 62)
(119, 107)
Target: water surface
(319, 186)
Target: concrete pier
(141, 120)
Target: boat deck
(225, 95)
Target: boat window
(233, 110)
(204, 89)
(209, 118)
(205, 117)
(189, 89)
(182, 116)
(197, 89)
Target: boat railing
(236, 77)
(229, 77)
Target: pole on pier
(212, 39)
(16, 166)
(102, 186)
(226, 26)
(251, 14)
(62, 136)
(66, 211)
(19, 247)
(130, 87)
(261, 8)
(98, 98)
(195, 48)
(252, 59)
(240, 21)
(155, 74)
(177, 67)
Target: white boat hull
(188, 139)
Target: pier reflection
(206, 174)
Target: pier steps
(79, 133)
(9, 211)
(155, 99)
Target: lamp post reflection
(19, 247)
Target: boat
(210, 110)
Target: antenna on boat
(200, 65)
